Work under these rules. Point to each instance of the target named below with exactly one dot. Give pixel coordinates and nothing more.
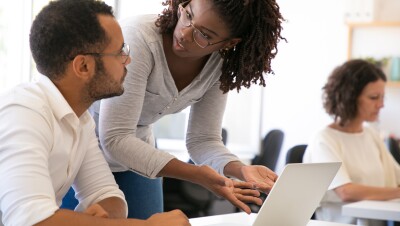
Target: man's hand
(97, 211)
(174, 217)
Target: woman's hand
(245, 192)
(234, 191)
(262, 177)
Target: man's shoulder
(28, 95)
(24, 93)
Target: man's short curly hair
(257, 22)
(345, 85)
(64, 29)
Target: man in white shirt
(47, 139)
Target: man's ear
(84, 66)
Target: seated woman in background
(353, 95)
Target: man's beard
(102, 86)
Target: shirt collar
(58, 103)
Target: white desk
(243, 218)
(378, 210)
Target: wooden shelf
(352, 26)
(375, 24)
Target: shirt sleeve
(94, 181)
(26, 191)
(324, 148)
(203, 140)
(119, 116)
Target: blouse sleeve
(203, 140)
(119, 116)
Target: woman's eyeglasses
(186, 19)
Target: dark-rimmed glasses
(123, 54)
(199, 37)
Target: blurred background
(320, 36)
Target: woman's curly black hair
(64, 29)
(257, 22)
(345, 85)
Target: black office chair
(394, 148)
(295, 154)
(270, 149)
(194, 200)
(224, 135)
(269, 154)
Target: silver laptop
(295, 195)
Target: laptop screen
(294, 197)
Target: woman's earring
(223, 51)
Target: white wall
(14, 63)
(317, 42)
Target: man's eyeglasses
(186, 19)
(123, 54)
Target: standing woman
(353, 96)
(190, 55)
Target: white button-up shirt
(44, 149)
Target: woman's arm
(355, 192)
(119, 116)
(235, 192)
(203, 140)
(205, 145)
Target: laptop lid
(295, 195)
